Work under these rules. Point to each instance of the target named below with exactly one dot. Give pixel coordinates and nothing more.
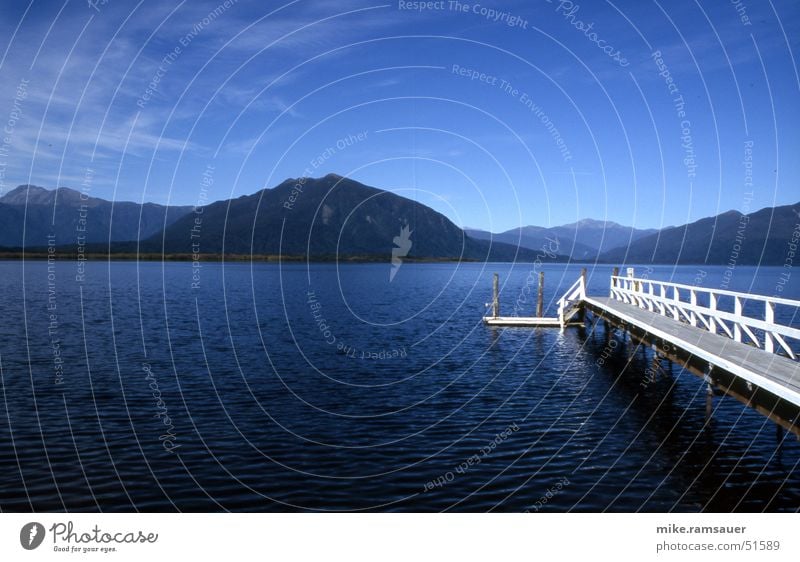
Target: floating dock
(568, 308)
(523, 321)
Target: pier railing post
(769, 318)
(629, 284)
(712, 306)
(540, 296)
(676, 296)
(583, 282)
(496, 296)
(582, 290)
(737, 310)
(614, 275)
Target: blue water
(322, 387)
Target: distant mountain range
(335, 216)
(28, 214)
(763, 237)
(323, 218)
(582, 240)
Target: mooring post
(540, 296)
(496, 296)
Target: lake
(266, 387)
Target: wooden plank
(774, 373)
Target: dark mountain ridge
(30, 214)
(331, 216)
(762, 237)
(337, 217)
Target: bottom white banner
(401, 537)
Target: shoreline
(154, 257)
(276, 258)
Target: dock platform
(523, 321)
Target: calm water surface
(154, 387)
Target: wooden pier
(731, 339)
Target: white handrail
(631, 290)
(576, 292)
(775, 300)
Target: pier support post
(655, 367)
(540, 296)
(709, 394)
(582, 311)
(496, 296)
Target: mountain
(28, 214)
(762, 237)
(600, 236)
(325, 217)
(536, 238)
(336, 216)
(582, 240)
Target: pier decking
(740, 349)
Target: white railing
(670, 299)
(566, 303)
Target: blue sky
(573, 116)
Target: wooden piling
(540, 296)
(496, 296)
(709, 393)
(655, 366)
